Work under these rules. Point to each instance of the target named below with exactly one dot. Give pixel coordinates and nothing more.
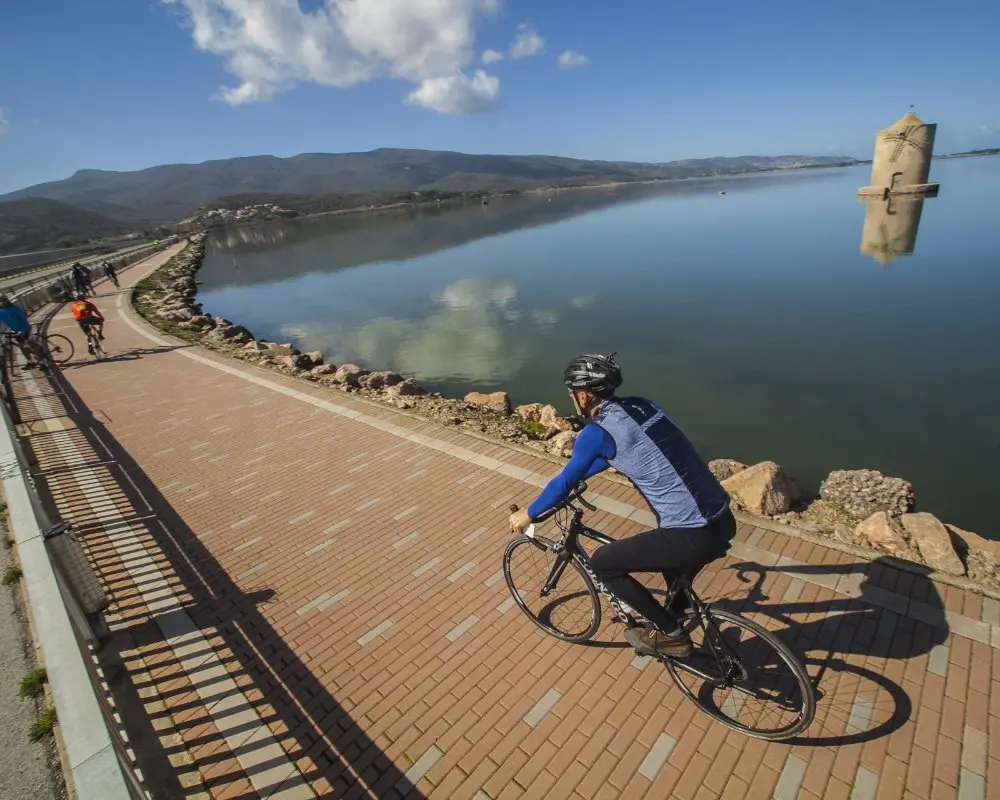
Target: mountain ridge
(168, 192)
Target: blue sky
(127, 84)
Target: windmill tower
(902, 161)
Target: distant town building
(891, 227)
(902, 160)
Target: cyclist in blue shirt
(14, 318)
(638, 439)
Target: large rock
(724, 468)
(763, 489)
(880, 531)
(202, 321)
(256, 347)
(550, 419)
(562, 444)
(316, 357)
(296, 362)
(236, 334)
(377, 381)
(981, 556)
(530, 413)
(324, 369)
(350, 374)
(862, 492)
(279, 350)
(494, 400)
(407, 388)
(934, 542)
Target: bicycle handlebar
(576, 495)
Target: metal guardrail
(33, 278)
(59, 287)
(66, 600)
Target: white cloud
(458, 93)
(569, 59)
(271, 45)
(491, 56)
(4, 124)
(526, 43)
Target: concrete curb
(95, 773)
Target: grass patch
(43, 725)
(11, 576)
(536, 429)
(33, 684)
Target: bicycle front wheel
(58, 348)
(744, 677)
(552, 589)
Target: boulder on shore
(495, 400)
(324, 369)
(406, 388)
(562, 444)
(934, 542)
(350, 374)
(882, 532)
(377, 381)
(723, 468)
(862, 492)
(550, 418)
(316, 357)
(530, 412)
(763, 489)
(236, 334)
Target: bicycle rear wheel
(570, 608)
(58, 347)
(744, 677)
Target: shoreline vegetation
(858, 508)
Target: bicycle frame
(570, 548)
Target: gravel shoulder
(27, 770)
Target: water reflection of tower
(891, 227)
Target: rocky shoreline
(860, 508)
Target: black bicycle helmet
(593, 373)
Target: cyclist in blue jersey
(637, 438)
(13, 317)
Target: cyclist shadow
(125, 355)
(848, 642)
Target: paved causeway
(308, 603)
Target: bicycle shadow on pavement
(85, 360)
(849, 645)
(317, 734)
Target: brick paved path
(308, 603)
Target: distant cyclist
(87, 316)
(81, 279)
(110, 273)
(14, 318)
(637, 438)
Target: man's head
(4, 301)
(80, 296)
(591, 379)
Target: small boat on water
(720, 193)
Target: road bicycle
(740, 674)
(57, 348)
(94, 342)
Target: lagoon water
(782, 320)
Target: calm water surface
(772, 322)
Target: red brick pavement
(308, 603)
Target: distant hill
(170, 192)
(35, 223)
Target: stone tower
(902, 161)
